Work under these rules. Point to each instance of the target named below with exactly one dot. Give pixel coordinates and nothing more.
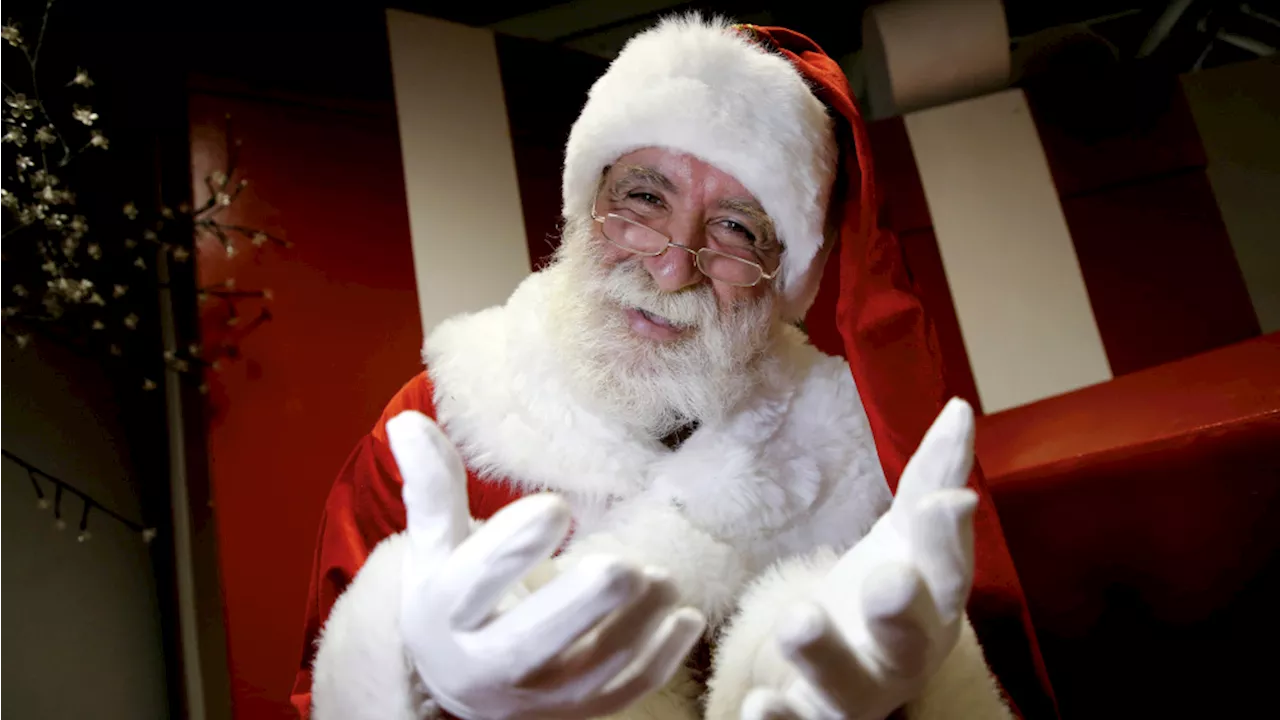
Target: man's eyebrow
(635, 174)
(753, 210)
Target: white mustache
(631, 286)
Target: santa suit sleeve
(363, 509)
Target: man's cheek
(730, 298)
(609, 254)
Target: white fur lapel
(798, 451)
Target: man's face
(697, 206)
(652, 338)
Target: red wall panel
(345, 335)
(1161, 274)
(1155, 255)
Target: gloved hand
(891, 610)
(590, 642)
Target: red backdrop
(344, 337)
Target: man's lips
(658, 319)
(654, 327)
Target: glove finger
(501, 552)
(901, 620)
(811, 641)
(434, 491)
(530, 635)
(615, 643)
(944, 458)
(768, 704)
(942, 546)
(656, 665)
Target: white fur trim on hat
(700, 87)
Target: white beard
(658, 387)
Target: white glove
(891, 610)
(593, 640)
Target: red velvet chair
(1143, 515)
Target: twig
(44, 23)
(84, 496)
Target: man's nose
(677, 268)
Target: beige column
(469, 248)
(1018, 291)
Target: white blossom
(84, 114)
(99, 140)
(131, 321)
(46, 135)
(130, 210)
(10, 34)
(20, 106)
(16, 136)
(42, 178)
(82, 78)
(24, 163)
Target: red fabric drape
(894, 355)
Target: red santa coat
(794, 470)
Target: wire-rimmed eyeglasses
(639, 239)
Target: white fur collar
(799, 450)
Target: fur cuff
(963, 688)
(361, 670)
(708, 573)
(746, 654)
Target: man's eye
(647, 198)
(739, 229)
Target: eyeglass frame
(696, 253)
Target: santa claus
(713, 519)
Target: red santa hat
(768, 106)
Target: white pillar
(469, 248)
(1015, 280)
